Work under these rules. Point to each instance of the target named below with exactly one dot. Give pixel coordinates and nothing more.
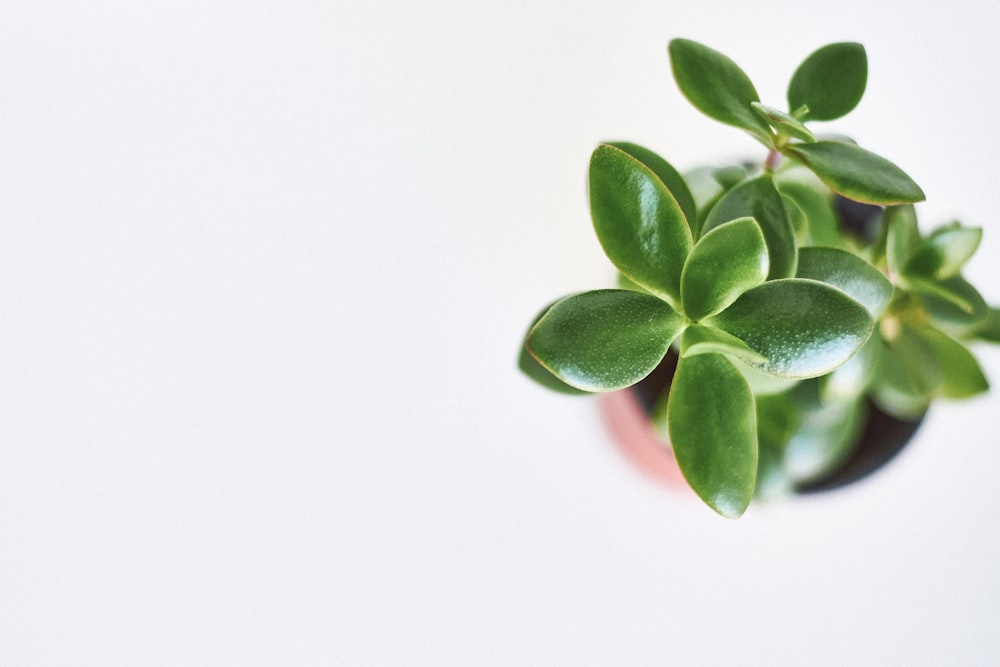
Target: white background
(264, 269)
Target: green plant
(785, 324)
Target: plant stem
(772, 161)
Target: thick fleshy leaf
(859, 279)
(858, 174)
(831, 81)
(851, 379)
(760, 199)
(902, 236)
(699, 339)
(952, 301)
(540, 374)
(717, 86)
(604, 340)
(944, 252)
(783, 123)
(805, 328)
(961, 376)
(666, 172)
(822, 228)
(907, 374)
(724, 263)
(712, 427)
(639, 223)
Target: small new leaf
(605, 339)
(726, 261)
(830, 82)
(783, 123)
(717, 87)
(858, 174)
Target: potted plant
(778, 318)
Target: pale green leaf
(783, 123)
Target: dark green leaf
(961, 375)
(638, 222)
(989, 330)
(803, 327)
(699, 339)
(902, 236)
(831, 81)
(858, 174)
(604, 340)
(859, 279)
(782, 123)
(952, 302)
(665, 171)
(727, 261)
(534, 370)
(729, 177)
(760, 199)
(944, 252)
(717, 87)
(712, 427)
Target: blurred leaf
(667, 174)
(831, 81)
(717, 87)
(534, 370)
(944, 252)
(822, 227)
(989, 330)
(803, 327)
(729, 177)
(638, 222)
(907, 376)
(698, 339)
(724, 263)
(858, 174)
(826, 437)
(760, 199)
(853, 378)
(782, 123)
(859, 279)
(951, 303)
(712, 427)
(902, 236)
(961, 375)
(605, 339)
(796, 216)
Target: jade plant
(786, 324)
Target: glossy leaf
(666, 173)
(724, 263)
(853, 377)
(858, 174)
(760, 199)
(604, 340)
(711, 422)
(848, 272)
(804, 328)
(831, 81)
(783, 123)
(717, 87)
(944, 252)
(825, 438)
(698, 339)
(952, 301)
(961, 376)
(902, 236)
(639, 223)
(540, 374)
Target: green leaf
(859, 279)
(605, 339)
(534, 370)
(961, 375)
(825, 439)
(944, 252)
(822, 228)
(667, 174)
(952, 302)
(638, 222)
(729, 177)
(717, 87)
(989, 329)
(831, 81)
(698, 339)
(858, 174)
(760, 199)
(712, 427)
(909, 374)
(853, 378)
(902, 236)
(783, 124)
(727, 261)
(804, 328)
